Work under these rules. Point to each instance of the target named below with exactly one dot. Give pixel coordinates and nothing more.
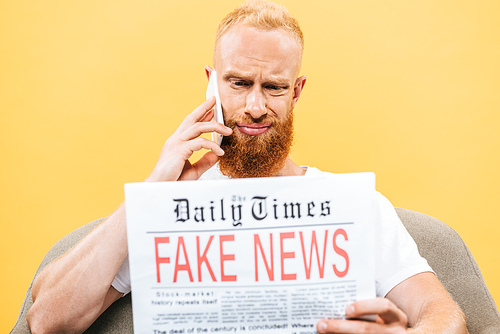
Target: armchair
(443, 248)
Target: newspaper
(268, 255)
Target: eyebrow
(239, 75)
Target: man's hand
(390, 319)
(419, 302)
(173, 163)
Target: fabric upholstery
(455, 267)
(443, 248)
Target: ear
(208, 71)
(297, 89)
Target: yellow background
(90, 90)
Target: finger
(198, 114)
(199, 128)
(199, 143)
(355, 326)
(383, 307)
(208, 116)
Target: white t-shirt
(396, 254)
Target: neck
(291, 169)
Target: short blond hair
(261, 14)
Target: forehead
(244, 48)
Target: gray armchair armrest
(455, 267)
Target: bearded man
(257, 57)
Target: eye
(275, 88)
(240, 83)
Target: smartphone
(213, 90)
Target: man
(257, 55)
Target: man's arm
(70, 293)
(420, 302)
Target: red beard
(260, 155)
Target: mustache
(247, 119)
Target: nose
(256, 103)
